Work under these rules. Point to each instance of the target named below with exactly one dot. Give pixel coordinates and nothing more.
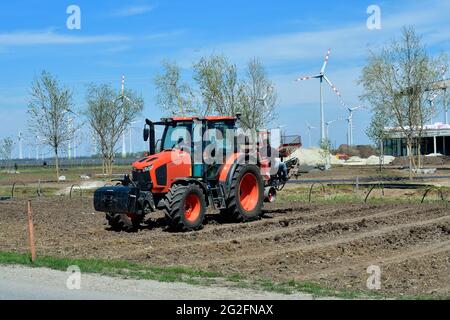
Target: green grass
(126, 269)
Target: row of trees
(396, 83)
(51, 113)
(215, 89)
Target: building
(435, 140)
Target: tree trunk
(419, 154)
(57, 165)
(410, 157)
(111, 166)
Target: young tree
(49, 108)
(174, 96)
(108, 117)
(6, 147)
(218, 83)
(260, 98)
(395, 81)
(377, 133)
(219, 90)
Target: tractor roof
(209, 118)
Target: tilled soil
(329, 244)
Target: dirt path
(329, 244)
(20, 283)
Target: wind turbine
(130, 132)
(124, 150)
(122, 98)
(20, 146)
(264, 101)
(309, 128)
(431, 97)
(444, 96)
(328, 123)
(350, 123)
(69, 145)
(321, 76)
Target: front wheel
(185, 207)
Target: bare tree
(377, 133)
(6, 147)
(260, 97)
(219, 91)
(108, 117)
(395, 81)
(174, 97)
(49, 109)
(219, 86)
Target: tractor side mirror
(146, 133)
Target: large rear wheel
(185, 207)
(246, 196)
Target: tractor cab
(202, 144)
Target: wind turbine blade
(333, 87)
(307, 78)
(327, 57)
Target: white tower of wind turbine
(328, 124)
(431, 97)
(309, 128)
(321, 76)
(124, 150)
(350, 123)
(122, 98)
(444, 95)
(20, 146)
(69, 145)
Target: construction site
(230, 180)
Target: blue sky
(133, 37)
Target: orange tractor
(197, 163)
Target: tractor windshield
(177, 135)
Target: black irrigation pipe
(386, 185)
(380, 186)
(14, 187)
(367, 179)
(433, 188)
(71, 190)
(311, 189)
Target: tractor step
(218, 197)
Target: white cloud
(24, 38)
(133, 11)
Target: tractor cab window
(177, 136)
(219, 136)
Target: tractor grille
(142, 179)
